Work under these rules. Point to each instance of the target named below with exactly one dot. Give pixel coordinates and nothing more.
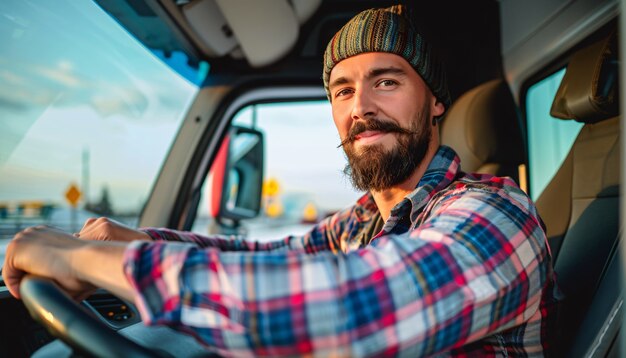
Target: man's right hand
(105, 229)
(45, 252)
(78, 266)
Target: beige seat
(581, 203)
(483, 127)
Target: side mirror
(238, 176)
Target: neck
(388, 198)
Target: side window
(549, 139)
(303, 170)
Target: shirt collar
(441, 171)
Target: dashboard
(22, 336)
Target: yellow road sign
(271, 187)
(310, 213)
(274, 209)
(73, 194)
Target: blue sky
(72, 80)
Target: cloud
(10, 78)
(120, 93)
(23, 98)
(12, 104)
(62, 74)
(31, 85)
(128, 101)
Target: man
(430, 261)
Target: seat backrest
(580, 206)
(483, 127)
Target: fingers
(97, 229)
(12, 281)
(39, 250)
(87, 224)
(12, 276)
(105, 229)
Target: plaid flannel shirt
(460, 268)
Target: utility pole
(85, 176)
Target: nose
(363, 105)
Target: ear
(437, 108)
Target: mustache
(373, 125)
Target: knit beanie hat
(387, 30)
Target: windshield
(87, 116)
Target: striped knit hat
(387, 30)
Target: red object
(219, 173)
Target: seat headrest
(588, 91)
(483, 127)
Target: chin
(385, 147)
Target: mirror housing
(238, 175)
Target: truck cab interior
(535, 89)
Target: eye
(386, 83)
(343, 92)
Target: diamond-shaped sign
(271, 187)
(73, 194)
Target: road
(3, 248)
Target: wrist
(145, 234)
(101, 264)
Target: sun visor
(588, 91)
(263, 30)
(208, 22)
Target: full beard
(376, 168)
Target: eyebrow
(385, 71)
(375, 72)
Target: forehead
(361, 65)
(372, 65)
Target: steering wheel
(71, 323)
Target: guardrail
(12, 225)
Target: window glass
(549, 138)
(86, 115)
(303, 173)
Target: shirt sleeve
(478, 265)
(320, 238)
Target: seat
(484, 128)
(580, 207)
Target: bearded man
(430, 261)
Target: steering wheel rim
(65, 319)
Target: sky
(69, 86)
(72, 81)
